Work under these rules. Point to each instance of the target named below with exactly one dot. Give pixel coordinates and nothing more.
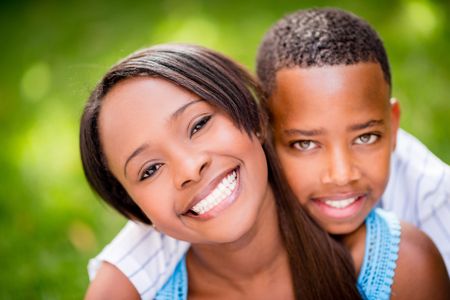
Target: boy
(299, 65)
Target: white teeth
(340, 203)
(223, 190)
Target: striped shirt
(418, 192)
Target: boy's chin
(341, 229)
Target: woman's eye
(304, 145)
(150, 171)
(367, 139)
(199, 125)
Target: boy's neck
(257, 257)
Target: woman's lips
(224, 189)
(223, 194)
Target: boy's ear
(395, 120)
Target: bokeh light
(54, 52)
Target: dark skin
(236, 248)
(316, 115)
(417, 256)
(102, 287)
(420, 271)
(421, 266)
(266, 281)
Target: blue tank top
(381, 253)
(377, 271)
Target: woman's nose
(189, 166)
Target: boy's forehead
(329, 91)
(364, 78)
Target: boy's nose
(341, 169)
(189, 166)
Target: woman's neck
(254, 262)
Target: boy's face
(334, 131)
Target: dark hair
(320, 267)
(195, 69)
(318, 37)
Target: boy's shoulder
(416, 161)
(420, 272)
(419, 182)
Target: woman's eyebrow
(180, 110)
(132, 155)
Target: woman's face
(183, 161)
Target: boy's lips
(218, 190)
(340, 205)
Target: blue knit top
(377, 271)
(381, 253)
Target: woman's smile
(195, 174)
(223, 194)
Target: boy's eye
(366, 139)
(199, 125)
(150, 171)
(304, 145)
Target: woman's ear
(260, 136)
(261, 133)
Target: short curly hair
(318, 37)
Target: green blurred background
(53, 52)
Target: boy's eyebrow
(365, 125)
(174, 115)
(312, 132)
(315, 132)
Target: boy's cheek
(284, 157)
(295, 167)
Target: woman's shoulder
(111, 283)
(421, 272)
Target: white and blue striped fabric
(418, 192)
(144, 255)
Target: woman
(172, 136)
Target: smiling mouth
(222, 191)
(340, 204)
